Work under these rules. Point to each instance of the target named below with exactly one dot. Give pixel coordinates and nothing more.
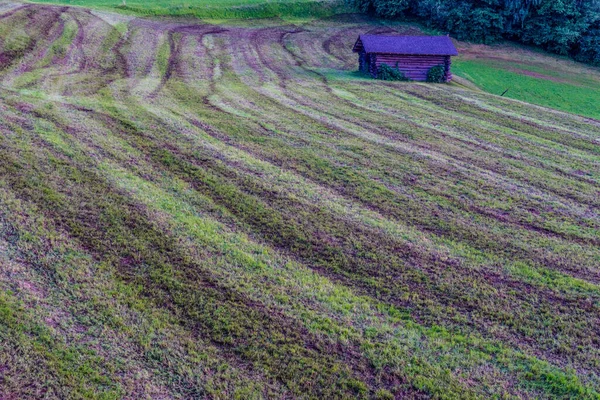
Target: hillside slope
(211, 9)
(531, 75)
(228, 211)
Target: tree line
(568, 27)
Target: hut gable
(414, 55)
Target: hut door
(363, 62)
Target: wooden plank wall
(447, 66)
(372, 64)
(414, 67)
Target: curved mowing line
(198, 169)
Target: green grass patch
(209, 9)
(546, 88)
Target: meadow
(214, 10)
(195, 210)
(533, 76)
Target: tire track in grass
(219, 136)
(40, 284)
(174, 49)
(470, 161)
(143, 43)
(485, 165)
(324, 260)
(453, 105)
(466, 122)
(157, 349)
(571, 124)
(503, 108)
(522, 224)
(318, 236)
(281, 163)
(250, 54)
(531, 131)
(28, 23)
(120, 69)
(78, 43)
(330, 41)
(30, 356)
(571, 195)
(112, 129)
(327, 258)
(300, 62)
(206, 326)
(13, 11)
(353, 105)
(171, 63)
(60, 368)
(273, 35)
(250, 170)
(254, 327)
(106, 61)
(116, 126)
(50, 20)
(150, 62)
(83, 19)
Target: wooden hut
(414, 55)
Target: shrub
(387, 73)
(436, 74)
(383, 394)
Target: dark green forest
(568, 27)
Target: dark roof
(410, 45)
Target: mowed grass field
(193, 210)
(211, 9)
